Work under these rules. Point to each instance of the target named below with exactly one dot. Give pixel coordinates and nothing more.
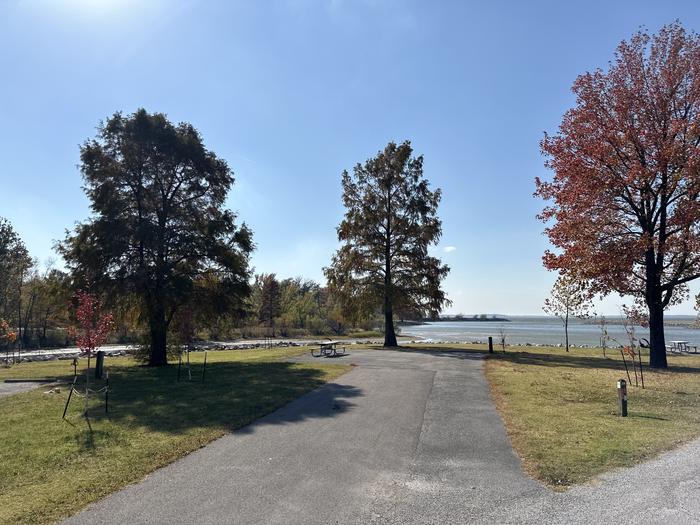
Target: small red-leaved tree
(626, 164)
(7, 337)
(93, 328)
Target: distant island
(489, 318)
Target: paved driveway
(406, 437)
(8, 389)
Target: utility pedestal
(622, 396)
(99, 364)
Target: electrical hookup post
(622, 397)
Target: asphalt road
(8, 389)
(406, 437)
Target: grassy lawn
(50, 468)
(561, 410)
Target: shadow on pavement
(328, 401)
(454, 353)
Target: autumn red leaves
(623, 210)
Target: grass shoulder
(50, 468)
(561, 412)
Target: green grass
(561, 411)
(50, 468)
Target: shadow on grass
(232, 396)
(646, 416)
(574, 361)
(87, 438)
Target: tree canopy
(159, 228)
(16, 265)
(626, 164)
(390, 221)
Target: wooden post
(490, 345)
(622, 397)
(204, 369)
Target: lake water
(540, 330)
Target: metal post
(622, 396)
(490, 345)
(622, 353)
(70, 394)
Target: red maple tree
(626, 162)
(93, 328)
(7, 335)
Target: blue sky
(291, 92)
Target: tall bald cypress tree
(390, 221)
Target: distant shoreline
(456, 320)
(692, 324)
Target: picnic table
(328, 349)
(682, 346)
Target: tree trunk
(657, 341)
(654, 300)
(44, 325)
(19, 311)
(27, 316)
(389, 333)
(566, 331)
(159, 329)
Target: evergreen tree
(390, 221)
